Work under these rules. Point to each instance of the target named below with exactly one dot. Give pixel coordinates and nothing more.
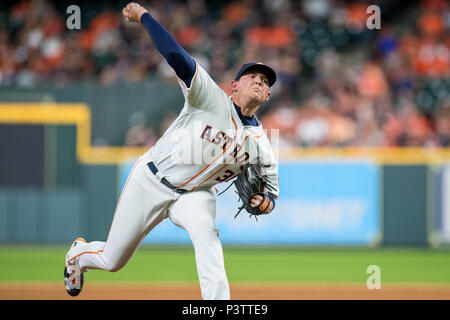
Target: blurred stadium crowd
(339, 84)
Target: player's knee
(114, 266)
(203, 237)
(114, 269)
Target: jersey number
(229, 174)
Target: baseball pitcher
(214, 139)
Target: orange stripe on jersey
(250, 135)
(181, 81)
(212, 175)
(92, 252)
(235, 127)
(196, 74)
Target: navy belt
(164, 181)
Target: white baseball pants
(144, 203)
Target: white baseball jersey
(207, 143)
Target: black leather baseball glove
(252, 181)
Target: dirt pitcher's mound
(100, 291)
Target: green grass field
(246, 264)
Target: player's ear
(268, 96)
(234, 84)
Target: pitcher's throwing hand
(133, 12)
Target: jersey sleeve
(273, 181)
(203, 92)
(181, 62)
(271, 164)
(265, 153)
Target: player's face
(254, 85)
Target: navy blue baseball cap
(258, 66)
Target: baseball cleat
(73, 277)
(73, 281)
